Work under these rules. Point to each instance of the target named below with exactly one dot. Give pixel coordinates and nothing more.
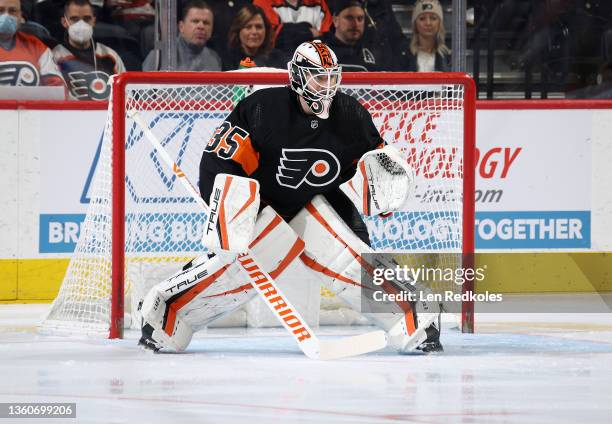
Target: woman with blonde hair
(249, 39)
(427, 51)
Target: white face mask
(81, 32)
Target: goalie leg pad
(333, 254)
(214, 287)
(166, 311)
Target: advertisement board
(530, 192)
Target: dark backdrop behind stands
(516, 48)
(118, 39)
(39, 31)
(48, 14)
(537, 48)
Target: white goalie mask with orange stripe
(315, 75)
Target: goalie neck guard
(315, 75)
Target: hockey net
(141, 226)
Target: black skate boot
(147, 340)
(432, 342)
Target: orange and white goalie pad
(211, 287)
(234, 203)
(382, 183)
(334, 255)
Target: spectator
(250, 37)
(427, 51)
(85, 64)
(195, 29)
(602, 89)
(354, 52)
(296, 21)
(133, 15)
(24, 59)
(604, 81)
(224, 11)
(382, 25)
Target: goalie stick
(279, 304)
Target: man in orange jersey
(24, 59)
(313, 159)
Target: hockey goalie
(287, 176)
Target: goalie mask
(315, 75)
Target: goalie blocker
(234, 203)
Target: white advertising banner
(67, 166)
(533, 185)
(533, 178)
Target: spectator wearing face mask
(85, 64)
(24, 59)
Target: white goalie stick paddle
(269, 291)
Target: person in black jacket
(427, 51)
(355, 51)
(382, 23)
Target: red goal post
(398, 102)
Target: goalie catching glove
(234, 203)
(382, 183)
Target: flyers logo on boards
(315, 167)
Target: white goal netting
(424, 120)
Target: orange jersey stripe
(246, 155)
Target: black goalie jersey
(294, 156)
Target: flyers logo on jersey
(89, 85)
(315, 167)
(18, 74)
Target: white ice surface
(538, 368)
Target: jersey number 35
(226, 140)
